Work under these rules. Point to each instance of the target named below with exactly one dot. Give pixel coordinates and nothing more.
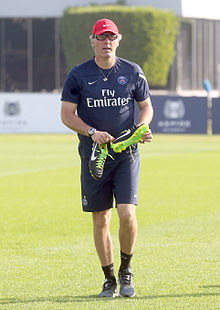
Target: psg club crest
(84, 202)
(122, 80)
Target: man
(103, 91)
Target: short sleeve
(71, 89)
(141, 91)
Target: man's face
(105, 45)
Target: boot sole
(136, 137)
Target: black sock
(125, 261)
(109, 272)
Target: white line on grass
(169, 153)
(23, 171)
(72, 248)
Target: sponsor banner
(30, 113)
(216, 115)
(175, 114)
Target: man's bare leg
(128, 227)
(102, 237)
(103, 243)
(127, 238)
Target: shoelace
(126, 278)
(131, 153)
(101, 158)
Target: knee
(101, 219)
(127, 216)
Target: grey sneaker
(126, 284)
(109, 289)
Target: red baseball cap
(104, 25)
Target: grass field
(47, 255)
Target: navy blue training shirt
(105, 105)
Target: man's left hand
(147, 137)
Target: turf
(47, 255)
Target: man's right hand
(102, 137)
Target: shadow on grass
(73, 299)
(210, 286)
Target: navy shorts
(119, 181)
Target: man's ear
(92, 43)
(119, 38)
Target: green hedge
(149, 37)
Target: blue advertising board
(216, 115)
(175, 114)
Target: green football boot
(97, 160)
(129, 137)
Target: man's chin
(107, 54)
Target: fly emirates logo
(108, 99)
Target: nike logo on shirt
(90, 83)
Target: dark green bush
(149, 37)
